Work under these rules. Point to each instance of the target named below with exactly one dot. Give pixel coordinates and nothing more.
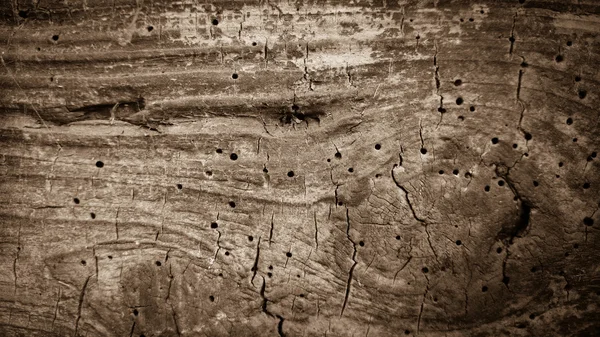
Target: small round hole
(441, 171)
(487, 188)
(288, 254)
(575, 140)
(577, 78)
(472, 108)
(219, 151)
(586, 185)
(158, 264)
(83, 263)
(455, 172)
(569, 43)
(55, 37)
(423, 150)
(211, 298)
(214, 225)
(377, 147)
(582, 93)
(559, 58)
(338, 155)
(233, 156)
(234, 76)
(535, 183)
(208, 173)
(560, 164)
(179, 186)
(250, 238)
(361, 243)
(253, 43)
(425, 270)
(459, 101)
(227, 253)
(458, 242)
(457, 82)
(76, 201)
(397, 237)
(569, 121)
(99, 164)
(232, 204)
(499, 250)
(528, 136)
(135, 312)
(350, 170)
(495, 140)
(484, 289)
(500, 182)
(215, 22)
(93, 215)
(150, 28)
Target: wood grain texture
(308, 168)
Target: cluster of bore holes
(581, 93)
(459, 101)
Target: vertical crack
(14, 266)
(218, 249)
(422, 306)
(117, 224)
(268, 313)
(80, 306)
(431, 245)
(255, 266)
(523, 223)
(56, 308)
(414, 214)
(512, 35)
(316, 230)
(271, 230)
(351, 271)
(436, 76)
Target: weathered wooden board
(308, 168)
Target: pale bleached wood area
(309, 168)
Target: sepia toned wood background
(306, 168)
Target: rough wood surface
(308, 168)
